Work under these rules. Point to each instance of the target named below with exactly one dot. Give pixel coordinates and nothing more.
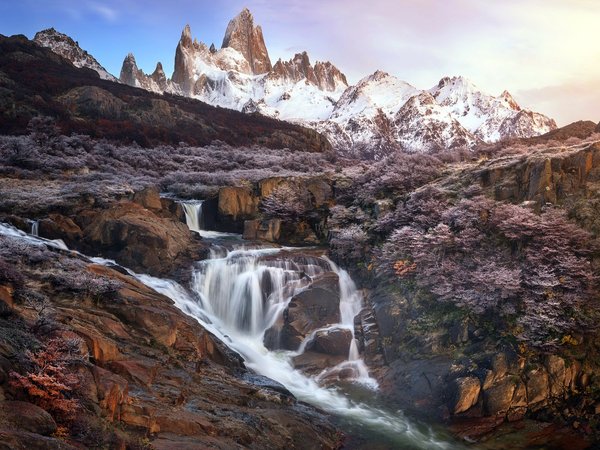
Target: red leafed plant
(50, 380)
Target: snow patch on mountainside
(378, 115)
(63, 45)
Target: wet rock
(420, 386)
(331, 342)
(262, 230)
(314, 363)
(266, 383)
(26, 416)
(466, 394)
(316, 307)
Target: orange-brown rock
(57, 226)
(263, 230)
(148, 198)
(6, 295)
(243, 36)
(141, 240)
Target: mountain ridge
(375, 112)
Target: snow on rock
(378, 115)
(63, 45)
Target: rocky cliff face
(66, 47)
(131, 75)
(242, 35)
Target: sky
(545, 52)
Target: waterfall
(35, 227)
(194, 219)
(237, 294)
(193, 214)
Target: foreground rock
(148, 373)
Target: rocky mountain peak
(129, 70)
(378, 75)
(243, 36)
(65, 46)
(508, 98)
(323, 75)
(186, 37)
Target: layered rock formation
(324, 75)
(131, 75)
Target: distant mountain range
(378, 115)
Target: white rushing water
(229, 297)
(194, 219)
(238, 294)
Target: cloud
(105, 12)
(567, 102)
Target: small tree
(50, 380)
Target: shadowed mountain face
(36, 81)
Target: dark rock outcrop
(315, 307)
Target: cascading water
(238, 294)
(35, 227)
(193, 214)
(194, 219)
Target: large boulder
(335, 341)
(149, 198)
(235, 205)
(316, 307)
(26, 416)
(139, 239)
(314, 363)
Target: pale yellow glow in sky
(545, 52)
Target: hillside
(36, 81)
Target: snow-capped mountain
(378, 115)
(66, 47)
(382, 113)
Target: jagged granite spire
(324, 75)
(243, 36)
